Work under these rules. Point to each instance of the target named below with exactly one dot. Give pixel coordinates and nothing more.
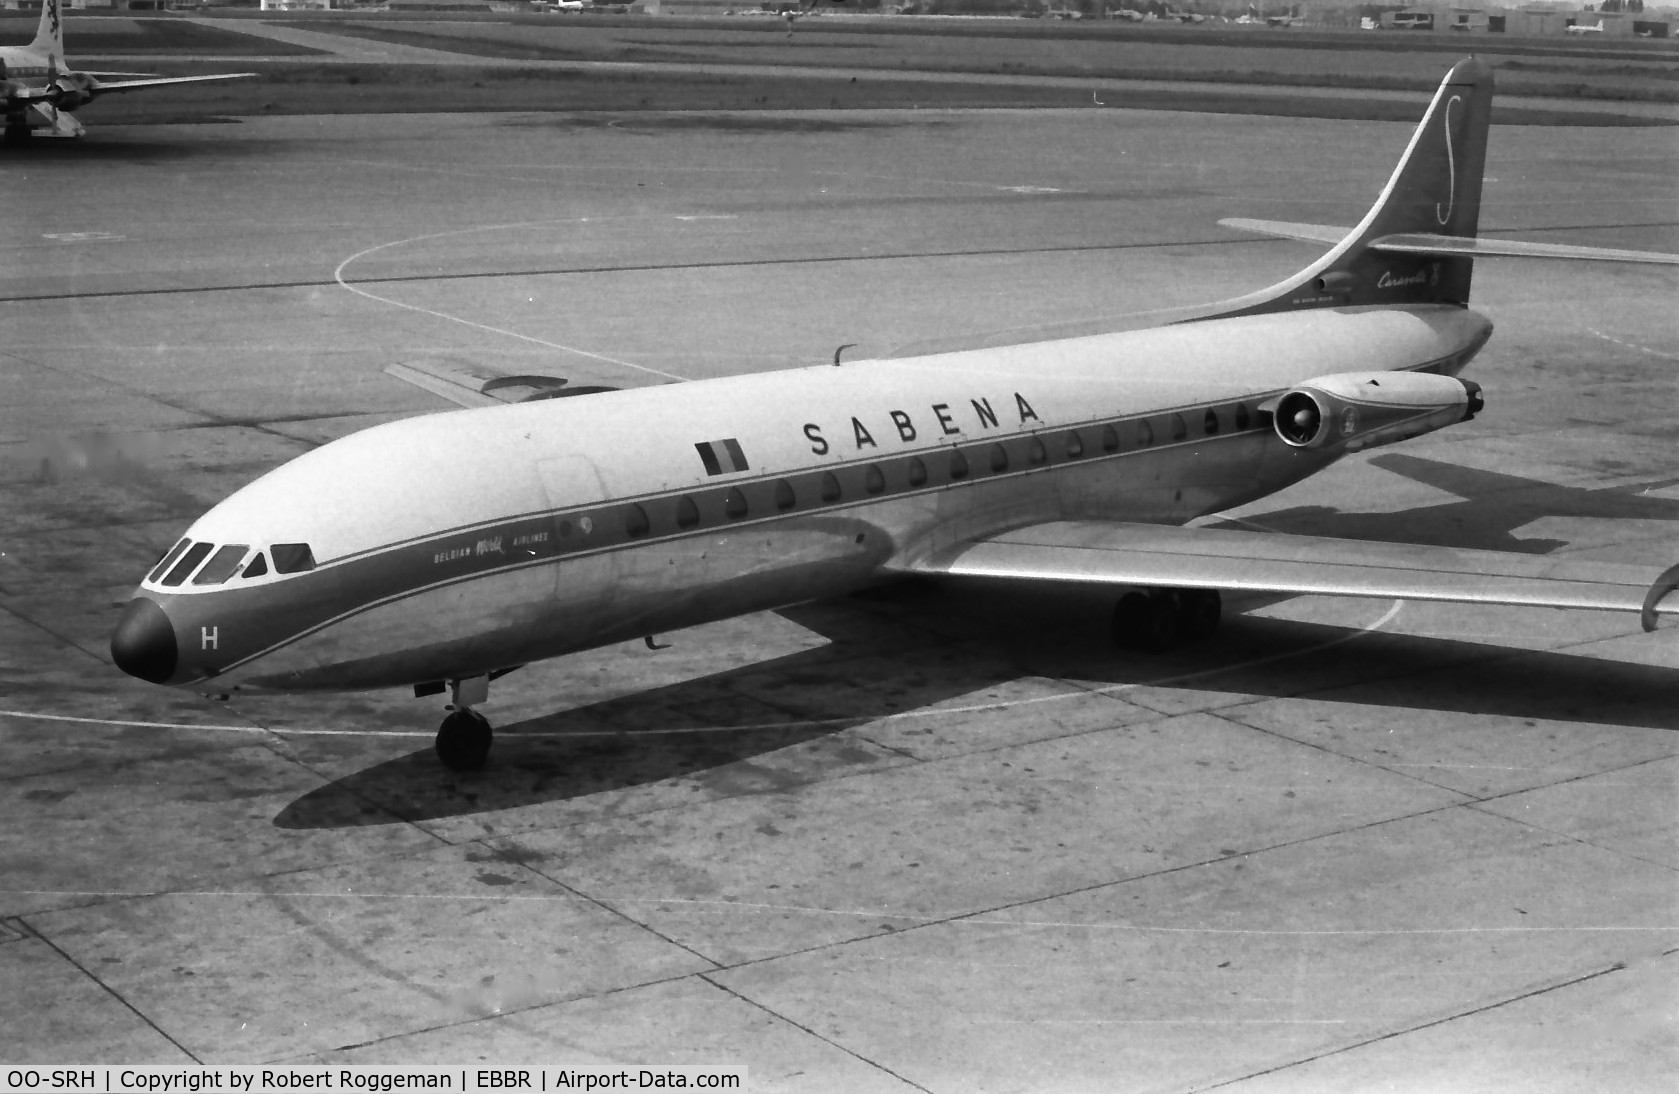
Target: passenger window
(1145, 434)
(164, 563)
(687, 513)
(292, 558)
(257, 566)
(636, 524)
(189, 562)
(958, 464)
(1180, 428)
(1110, 439)
(1035, 453)
(1241, 415)
(917, 472)
(221, 565)
(999, 458)
(830, 487)
(1075, 446)
(734, 504)
(784, 499)
(1209, 424)
(565, 529)
(873, 481)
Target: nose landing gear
(463, 740)
(1162, 619)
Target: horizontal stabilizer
(1233, 559)
(1311, 233)
(1418, 243)
(1423, 243)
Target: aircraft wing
(474, 385)
(89, 84)
(104, 86)
(1107, 553)
(1473, 246)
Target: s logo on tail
(1451, 164)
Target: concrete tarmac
(925, 839)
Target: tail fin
(49, 33)
(1435, 191)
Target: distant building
(1535, 20)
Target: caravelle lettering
(1389, 281)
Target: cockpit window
(292, 558)
(221, 564)
(188, 563)
(257, 566)
(174, 553)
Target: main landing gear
(1157, 620)
(463, 740)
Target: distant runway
(918, 840)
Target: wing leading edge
(1233, 559)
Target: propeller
(66, 90)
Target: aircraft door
(585, 578)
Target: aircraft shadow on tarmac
(108, 146)
(1491, 507)
(913, 646)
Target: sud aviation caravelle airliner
(442, 551)
(41, 92)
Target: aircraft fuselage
(452, 545)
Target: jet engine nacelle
(1359, 410)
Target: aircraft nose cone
(143, 644)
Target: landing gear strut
(463, 740)
(1161, 619)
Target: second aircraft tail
(49, 33)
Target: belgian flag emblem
(722, 457)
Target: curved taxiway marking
(1632, 345)
(338, 276)
(811, 723)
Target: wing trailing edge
(1103, 553)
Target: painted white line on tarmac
(810, 723)
(338, 276)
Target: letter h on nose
(208, 638)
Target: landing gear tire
(1163, 619)
(463, 740)
(1201, 610)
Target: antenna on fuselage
(842, 349)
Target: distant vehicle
(1130, 15)
(554, 6)
(1595, 28)
(1185, 16)
(42, 91)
